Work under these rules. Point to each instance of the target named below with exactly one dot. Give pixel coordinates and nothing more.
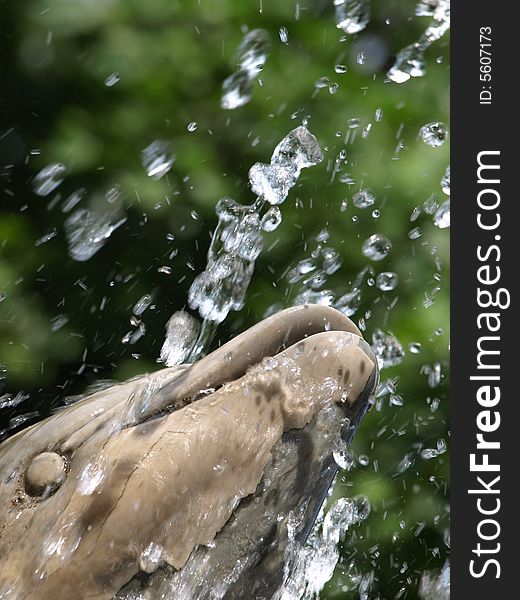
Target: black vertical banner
(485, 243)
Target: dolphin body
(190, 483)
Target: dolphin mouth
(186, 473)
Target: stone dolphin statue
(183, 483)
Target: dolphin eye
(45, 473)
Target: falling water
(237, 240)
(410, 60)
(252, 54)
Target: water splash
(252, 55)
(435, 585)
(313, 564)
(237, 240)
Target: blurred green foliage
(172, 56)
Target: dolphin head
(184, 479)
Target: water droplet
(445, 181)
(366, 130)
(376, 247)
(113, 194)
(165, 269)
(342, 458)
(192, 126)
(331, 260)
(415, 233)
(387, 348)
(284, 35)
(442, 216)
(272, 219)
(322, 297)
(433, 403)
(321, 83)
(387, 281)
(361, 57)
(182, 331)
(376, 213)
(429, 453)
(112, 79)
(430, 205)
(441, 446)
(396, 400)
(151, 557)
(434, 134)
(48, 179)
(363, 199)
(91, 477)
(142, 304)
(46, 237)
(363, 460)
(74, 199)
(405, 464)
(87, 232)
(300, 270)
(379, 114)
(414, 347)
(340, 69)
(157, 158)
